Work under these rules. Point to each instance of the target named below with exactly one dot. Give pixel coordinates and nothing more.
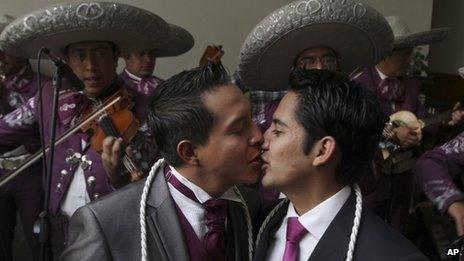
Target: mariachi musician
(23, 194)
(397, 91)
(91, 44)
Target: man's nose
(318, 65)
(90, 62)
(257, 137)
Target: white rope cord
(268, 218)
(143, 202)
(248, 220)
(356, 223)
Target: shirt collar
(381, 74)
(134, 77)
(202, 195)
(318, 219)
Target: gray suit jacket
(109, 229)
(376, 240)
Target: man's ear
(325, 150)
(187, 152)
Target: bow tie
(391, 89)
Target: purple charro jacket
(18, 88)
(436, 169)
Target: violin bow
(38, 155)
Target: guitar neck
(436, 118)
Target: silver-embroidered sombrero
(5, 19)
(357, 32)
(180, 41)
(59, 25)
(404, 38)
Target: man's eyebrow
(279, 122)
(237, 120)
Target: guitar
(212, 53)
(407, 118)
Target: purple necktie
(216, 213)
(295, 231)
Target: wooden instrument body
(409, 119)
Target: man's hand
(456, 211)
(407, 137)
(457, 116)
(112, 159)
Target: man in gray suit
(323, 135)
(188, 208)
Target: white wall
(448, 55)
(227, 22)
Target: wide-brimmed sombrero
(5, 19)
(404, 38)
(357, 32)
(59, 25)
(179, 42)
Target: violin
(117, 121)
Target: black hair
(330, 104)
(178, 113)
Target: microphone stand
(44, 217)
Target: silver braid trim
(356, 223)
(268, 219)
(143, 202)
(248, 220)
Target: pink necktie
(295, 231)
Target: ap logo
(452, 252)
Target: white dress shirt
(77, 195)
(381, 74)
(192, 210)
(316, 221)
(134, 77)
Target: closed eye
(276, 132)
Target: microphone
(65, 70)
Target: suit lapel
(267, 232)
(238, 232)
(337, 234)
(163, 222)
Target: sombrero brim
(180, 41)
(422, 38)
(57, 26)
(2, 26)
(269, 51)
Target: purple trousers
(23, 194)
